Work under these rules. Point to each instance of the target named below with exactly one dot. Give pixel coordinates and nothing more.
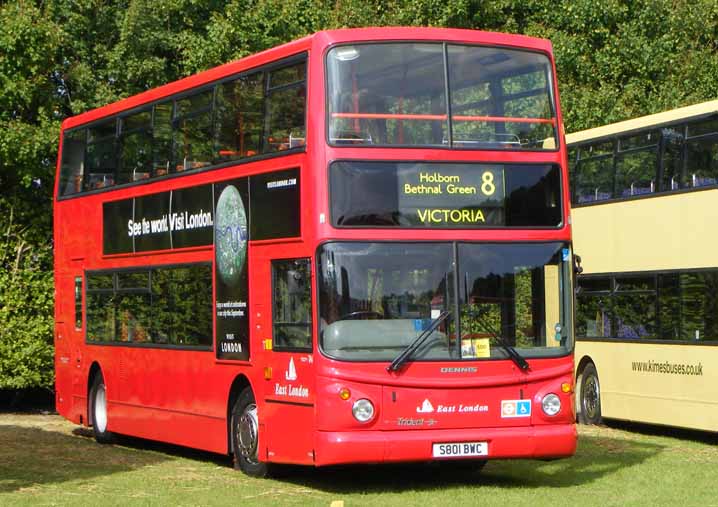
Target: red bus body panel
(182, 396)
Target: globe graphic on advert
(230, 236)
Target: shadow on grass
(596, 458)
(703, 437)
(31, 457)
(169, 450)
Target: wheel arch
(582, 365)
(239, 383)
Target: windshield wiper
(508, 348)
(418, 342)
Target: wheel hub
(248, 432)
(591, 397)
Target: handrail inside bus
(441, 117)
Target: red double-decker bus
(351, 248)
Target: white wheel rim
(100, 415)
(248, 433)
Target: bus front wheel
(98, 410)
(590, 394)
(245, 436)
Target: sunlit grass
(45, 460)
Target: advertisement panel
(227, 215)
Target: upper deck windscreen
(395, 94)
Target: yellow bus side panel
(661, 233)
(674, 385)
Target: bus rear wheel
(245, 436)
(590, 395)
(98, 410)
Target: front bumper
(553, 441)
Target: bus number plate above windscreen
(460, 449)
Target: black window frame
(216, 163)
(309, 283)
(666, 135)
(551, 86)
(567, 301)
(79, 309)
(659, 283)
(117, 290)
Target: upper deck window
(396, 95)
(256, 113)
(675, 157)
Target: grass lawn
(45, 460)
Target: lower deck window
(660, 306)
(165, 305)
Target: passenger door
(289, 399)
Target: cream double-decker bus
(644, 194)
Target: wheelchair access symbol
(515, 408)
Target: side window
(153, 306)
(101, 159)
(672, 144)
(162, 138)
(192, 130)
(73, 162)
(284, 117)
(702, 154)
(135, 147)
(259, 112)
(594, 173)
(78, 303)
(240, 117)
(637, 164)
(291, 304)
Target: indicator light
(345, 393)
(566, 387)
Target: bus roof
(651, 120)
(318, 39)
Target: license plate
(458, 449)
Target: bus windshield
(377, 298)
(396, 94)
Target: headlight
(551, 404)
(363, 410)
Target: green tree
(616, 60)
(29, 123)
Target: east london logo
(427, 408)
(291, 373)
(290, 389)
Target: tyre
(590, 396)
(245, 436)
(98, 410)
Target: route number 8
(487, 186)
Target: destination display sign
(451, 195)
(430, 195)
